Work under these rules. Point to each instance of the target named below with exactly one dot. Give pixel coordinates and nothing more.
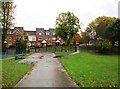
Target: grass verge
(28, 54)
(62, 53)
(12, 72)
(92, 70)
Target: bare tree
(6, 18)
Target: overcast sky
(42, 13)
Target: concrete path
(48, 72)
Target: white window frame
(47, 33)
(40, 39)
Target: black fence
(10, 53)
(53, 49)
(7, 55)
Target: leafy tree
(67, 25)
(76, 38)
(21, 43)
(97, 28)
(100, 25)
(113, 32)
(84, 38)
(90, 27)
(6, 17)
(25, 37)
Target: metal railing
(7, 54)
(53, 49)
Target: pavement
(47, 72)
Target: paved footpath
(48, 72)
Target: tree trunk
(113, 43)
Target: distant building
(31, 37)
(35, 37)
(14, 34)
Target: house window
(32, 44)
(17, 37)
(17, 33)
(33, 38)
(9, 32)
(47, 33)
(9, 43)
(9, 38)
(54, 38)
(39, 43)
(40, 39)
(49, 39)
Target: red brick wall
(13, 38)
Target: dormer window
(9, 32)
(47, 33)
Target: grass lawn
(92, 70)
(12, 72)
(28, 54)
(62, 53)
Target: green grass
(92, 70)
(25, 54)
(28, 54)
(62, 53)
(12, 72)
(0, 71)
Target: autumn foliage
(76, 38)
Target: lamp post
(75, 46)
(25, 46)
(5, 42)
(28, 44)
(57, 43)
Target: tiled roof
(39, 30)
(21, 29)
(31, 32)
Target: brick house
(47, 35)
(14, 34)
(35, 37)
(31, 37)
(40, 36)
